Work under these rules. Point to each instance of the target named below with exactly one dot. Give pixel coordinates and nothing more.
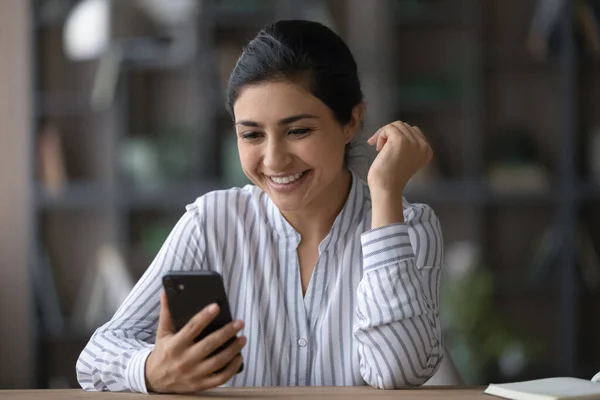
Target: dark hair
(305, 52)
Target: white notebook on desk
(547, 389)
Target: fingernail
(238, 324)
(213, 308)
(242, 340)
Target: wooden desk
(313, 393)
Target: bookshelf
(458, 69)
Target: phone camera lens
(180, 287)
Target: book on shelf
(547, 389)
(588, 16)
(51, 161)
(105, 287)
(516, 162)
(544, 37)
(548, 251)
(46, 296)
(521, 178)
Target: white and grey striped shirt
(369, 315)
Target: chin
(287, 205)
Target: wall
(15, 351)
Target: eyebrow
(283, 121)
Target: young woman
(335, 280)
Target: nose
(277, 155)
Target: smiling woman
(292, 147)
(334, 279)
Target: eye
(299, 131)
(251, 135)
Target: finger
(406, 131)
(385, 133)
(212, 342)
(418, 131)
(223, 376)
(420, 135)
(382, 139)
(221, 359)
(165, 324)
(422, 140)
(373, 139)
(197, 324)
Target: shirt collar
(345, 221)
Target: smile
(286, 180)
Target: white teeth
(286, 179)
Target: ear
(355, 123)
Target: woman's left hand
(403, 150)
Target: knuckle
(225, 356)
(209, 343)
(168, 351)
(192, 326)
(210, 365)
(230, 330)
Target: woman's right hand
(179, 365)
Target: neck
(314, 222)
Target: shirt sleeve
(114, 359)
(398, 327)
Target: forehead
(275, 100)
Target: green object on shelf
(177, 148)
(233, 174)
(477, 337)
(433, 91)
(168, 156)
(410, 8)
(138, 159)
(154, 237)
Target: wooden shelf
(50, 104)
(465, 192)
(526, 199)
(429, 22)
(75, 196)
(169, 197)
(459, 192)
(520, 66)
(90, 196)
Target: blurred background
(112, 119)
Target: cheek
(248, 156)
(329, 151)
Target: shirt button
(302, 342)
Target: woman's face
(290, 144)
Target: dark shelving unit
(468, 207)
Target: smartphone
(188, 292)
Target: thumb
(165, 325)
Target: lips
(284, 180)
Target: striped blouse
(370, 314)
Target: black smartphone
(188, 292)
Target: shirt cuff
(385, 246)
(136, 371)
